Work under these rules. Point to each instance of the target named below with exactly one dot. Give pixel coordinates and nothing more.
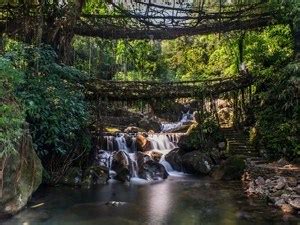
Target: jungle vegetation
(38, 88)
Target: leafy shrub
(54, 100)
(11, 113)
(278, 113)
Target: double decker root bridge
(149, 90)
(135, 20)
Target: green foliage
(199, 57)
(54, 100)
(278, 113)
(11, 112)
(96, 56)
(203, 136)
(140, 60)
(268, 50)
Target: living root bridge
(148, 90)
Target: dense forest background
(37, 88)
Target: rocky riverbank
(278, 182)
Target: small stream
(180, 200)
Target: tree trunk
(62, 32)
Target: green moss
(112, 130)
(234, 167)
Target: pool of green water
(181, 200)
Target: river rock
(102, 158)
(133, 129)
(295, 203)
(174, 157)
(282, 162)
(154, 155)
(292, 181)
(222, 145)
(152, 170)
(22, 175)
(260, 181)
(279, 202)
(197, 162)
(142, 143)
(73, 177)
(281, 182)
(297, 190)
(120, 164)
(142, 158)
(95, 175)
(287, 208)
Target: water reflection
(159, 203)
(176, 201)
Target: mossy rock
(22, 176)
(232, 169)
(95, 175)
(73, 177)
(197, 162)
(190, 141)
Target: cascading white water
(133, 164)
(109, 143)
(127, 146)
(174, 137)
(186, 117)
(161, 142)
(121, 141)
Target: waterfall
(110, 143)
(161, 142)
(126, 146)
(121, 141)
(133, 164)
(185, 118)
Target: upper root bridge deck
(22, 20)
(148, 90)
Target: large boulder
(154, 155)
(142, 143)
(22, 175)
(121, 166)
(190, 140)
(206, 136)
(152, 170)
(197, 162)
(174, 157)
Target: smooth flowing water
(182, 200)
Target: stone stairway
(238, 143)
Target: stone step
(244, 152)
(236, 138)
(243, 149)
(235, 143)
(241, 146)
